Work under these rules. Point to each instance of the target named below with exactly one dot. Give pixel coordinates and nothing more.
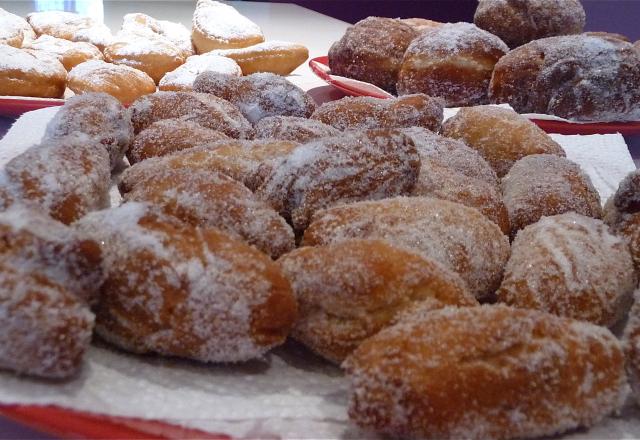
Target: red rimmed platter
(14, 106)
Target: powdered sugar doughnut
(170, 135)
(372, 51)
(542, 185)
(369, 113)
(204, 109)
(122, 82)
(220, 26)
(258, 95)
(69, 53)
(339, 309)
(279, 57)
(25, 74)
(577, 77)
(178, 290)
(486, 372)
(14, 30)
(500, 135)
(182, 78)
(98, 115)
(149, 27)
(570, 265)
(518, 23)
(461, 238)
(293, 128)
(70, 26)
(453, 61)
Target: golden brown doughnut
(368, 165)
(293, 128)
(571, 266)
(179, 290)
(98, 115)
(24, 74)
(518, 23)
(210, 199)
(460, 238)
(66, 177)
(70, 26)
(577, 77)
(542, 185)
(69, 53)
(453, 62)
(258, 95)
(486, 372)
(122, 82)
(279, 57)
(148, 27)
(14, 30)
(182, 78)
(631, 344)
(622, 213)
(339, 308)
(500, 135)
(370, 113)
(220, 26)
(372, 51)
(167, 136)
(204, 109)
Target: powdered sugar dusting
(222, 21)
(183, 77)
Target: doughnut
(368, 165)
(14, 30)
(69, 53)
(421, 24)
(204, 109)
(258, 95)
(500, 135)
(576, 77)
(210, 199)
(460, 238)
(542, 185)
(571, 266)
(518, 23)
(453, 62)
(182, 78)
(279, 57)
(167, 136)
(339, 310)
(371, 50)
(485, 372)
(148, 27)
(622, 213)
(631, 344)
(122, 82)
(248, 162)
(66, 177)
(98, 115)
(24, 74)
(219, 26)
(70, 26)
(369, 113)
(293, 128)
(179, 290)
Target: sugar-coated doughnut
(217, 25)
(14, 30)
(167, 136)
(622, 213)
(366, 165)
(293, 128)
(25, 74)
(122, 82)
(258, 95)
(175, 289)
(544, 184)
(210, 199)
(369, 113)
(98, 115)
(69, 53)
(500, 135)
(570, 265)
(371, 50)
(70, 26)
(148, 27)
(349, 291)
(279, 57)
(453, 62)
(205, 109)
(421, 24)
(518, 23)
(182, 78)
(459, 237)
(486, 372)
(631, 344)
(577, 77)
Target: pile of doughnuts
(52, 54)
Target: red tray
(14, 106)
(320, 66)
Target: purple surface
(10, 430)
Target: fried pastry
(70, 26)
(69, 53)
(293, 128)
(182, 78)
(148, 27)
(14, 30)
(25, 74)
(622, 213)
(279, 57)
(631, 344)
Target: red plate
(320, 66)
(14, 106)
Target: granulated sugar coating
(486, 372)
(293, 128)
